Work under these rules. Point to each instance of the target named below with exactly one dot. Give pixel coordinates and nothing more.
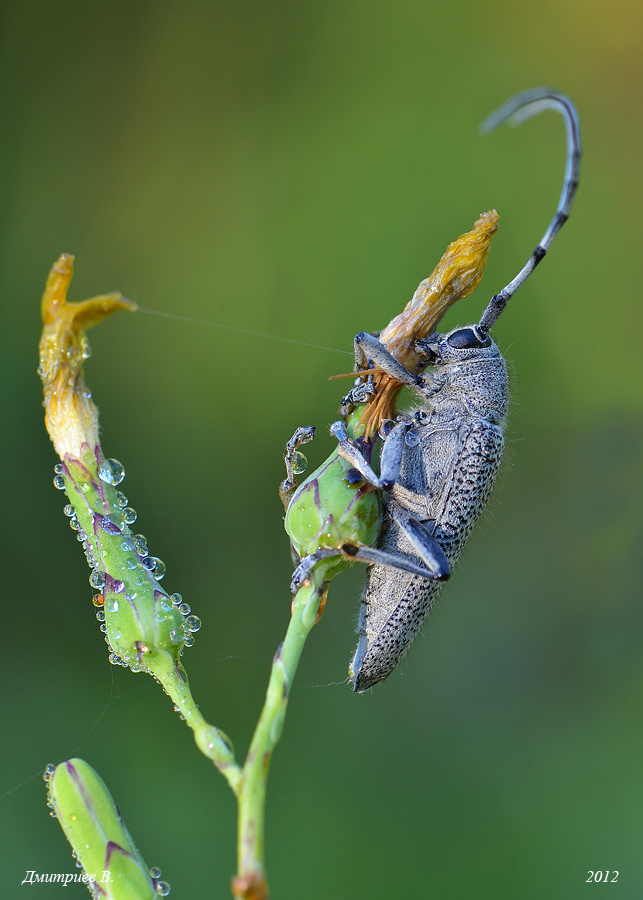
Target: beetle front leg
(303, 435)
(369, 347)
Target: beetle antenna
(516, 110)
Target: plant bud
(114, 869)
(141, 620)
(334, 506)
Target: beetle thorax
(470, 387)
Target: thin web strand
(246, 331)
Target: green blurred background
(296, 169)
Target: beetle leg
(349, 451)
(369, 346)
(426, 546)
(362, 392)
(373, 555)
(392, 452)
(307, 564)
(303, 435)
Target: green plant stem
(250, 881)
(212, 742)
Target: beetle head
(459, 345)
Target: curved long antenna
(516, 110)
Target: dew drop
(177, 635)
(58, 469)
(155, 872)
(131, 564)
(69, 510)
(130, 515)
(111, 471)
(100, 615)
(412, 438)
(386, 427)
(140, 544)
(155, 565)
(117, 586)
(121, 499)
(111, 604)
(299, 463)
(163, 888)
(98, 600)
(116, 633)
(193, 623)
(114, 524)
(176, 599)
(166, 603)
(185, 609)
(59, 483)
(97, 580)
(127, 544)
(188, 640)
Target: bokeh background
(296, 169)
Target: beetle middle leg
(391, 456)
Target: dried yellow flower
(70, 414)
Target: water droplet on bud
(97, 580)
(111, 471)
(130, 515)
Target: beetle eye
(467, 339)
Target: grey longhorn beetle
(438, 462)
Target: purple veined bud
(138, 613)
(112, 866)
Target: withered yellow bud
(70, 414)
(456, 275)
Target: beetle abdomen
(395, 604)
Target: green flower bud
(140, 617)
(114, 869)
(141, 620)
(330, 509)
